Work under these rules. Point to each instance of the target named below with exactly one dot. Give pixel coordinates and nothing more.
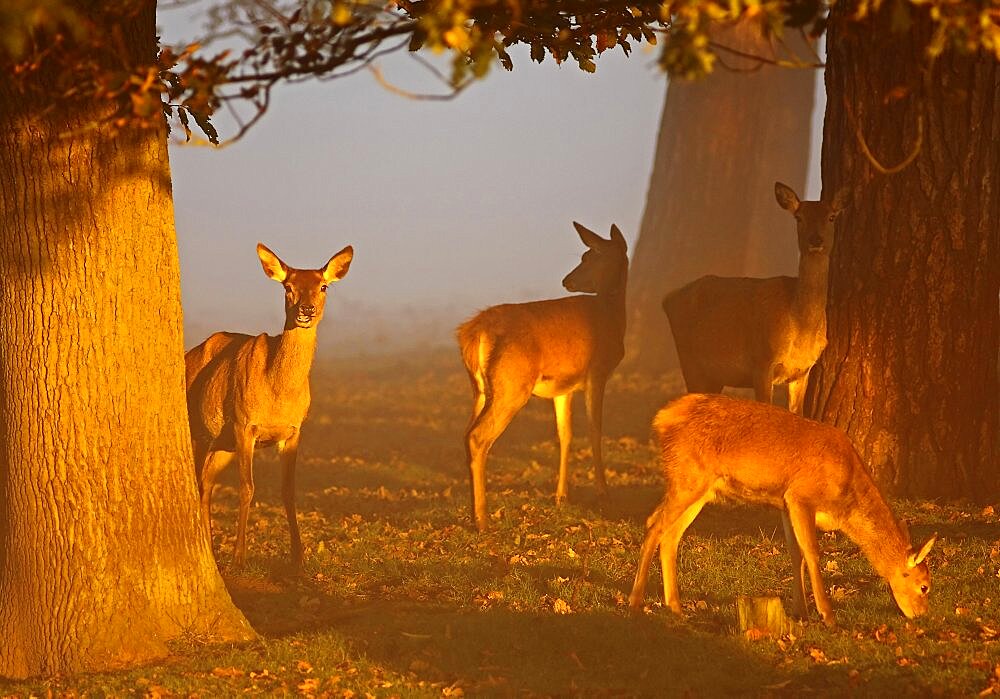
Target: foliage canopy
(62, 47)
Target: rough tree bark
(910, 371)
(102, 554)
(710, 208)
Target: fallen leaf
(561, 607)
(309, 686)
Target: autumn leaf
(309, 686)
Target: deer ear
(841, 199)
(272, 264)
(336, 268)
(589, 238)
(786, 196)
(915, 559)
(617, 237)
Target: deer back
(757, 452)
(730, 325)
(558, 338)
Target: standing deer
(715, 445)
(756, 333)
(550, 349)
(244, 392)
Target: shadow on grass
(504, 652)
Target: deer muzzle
(304, 316)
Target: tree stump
(762, 616)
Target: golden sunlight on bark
(104, 557)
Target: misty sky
(450, 206)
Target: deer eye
(323, 288)
(923, 589)
(833, 217)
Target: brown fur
(245, 391)
(713, 445)
(756, 333)
(550, 349)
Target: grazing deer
(715, 445)
(755, 333)
(246, 392)
(550, 349)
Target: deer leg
(214, 463)
(669, 542)
(764, 392)
(797, 393)
(804, 526)
(478, 398)
(499, 409)
(595, 417)
(763, 385)
(798, 580)
(200, 451)
(287, 452)
(564, 426)
(672, 509)
(245, 442)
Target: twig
(780, 62)
(395, 89)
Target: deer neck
(809, 304)
(876, 531)
(292, 357)
(612, 305)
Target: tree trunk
(910, 371)
(102, 554)
(710, 208)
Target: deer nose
(307, 310)
(815, 241)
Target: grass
(402, 598)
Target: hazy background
(450, 206)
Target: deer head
(602, 266)
(305, 289)
(911, 582)
(813, 219)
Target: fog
(450, 206)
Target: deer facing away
(551, 349)
(756, 333)
(246, 392)
(713, 445)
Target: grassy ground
(402, 598)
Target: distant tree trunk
(102, 555)
(710, 208)
(910, 371)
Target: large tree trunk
(910, 371)
(710, 208)
(102, 554)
